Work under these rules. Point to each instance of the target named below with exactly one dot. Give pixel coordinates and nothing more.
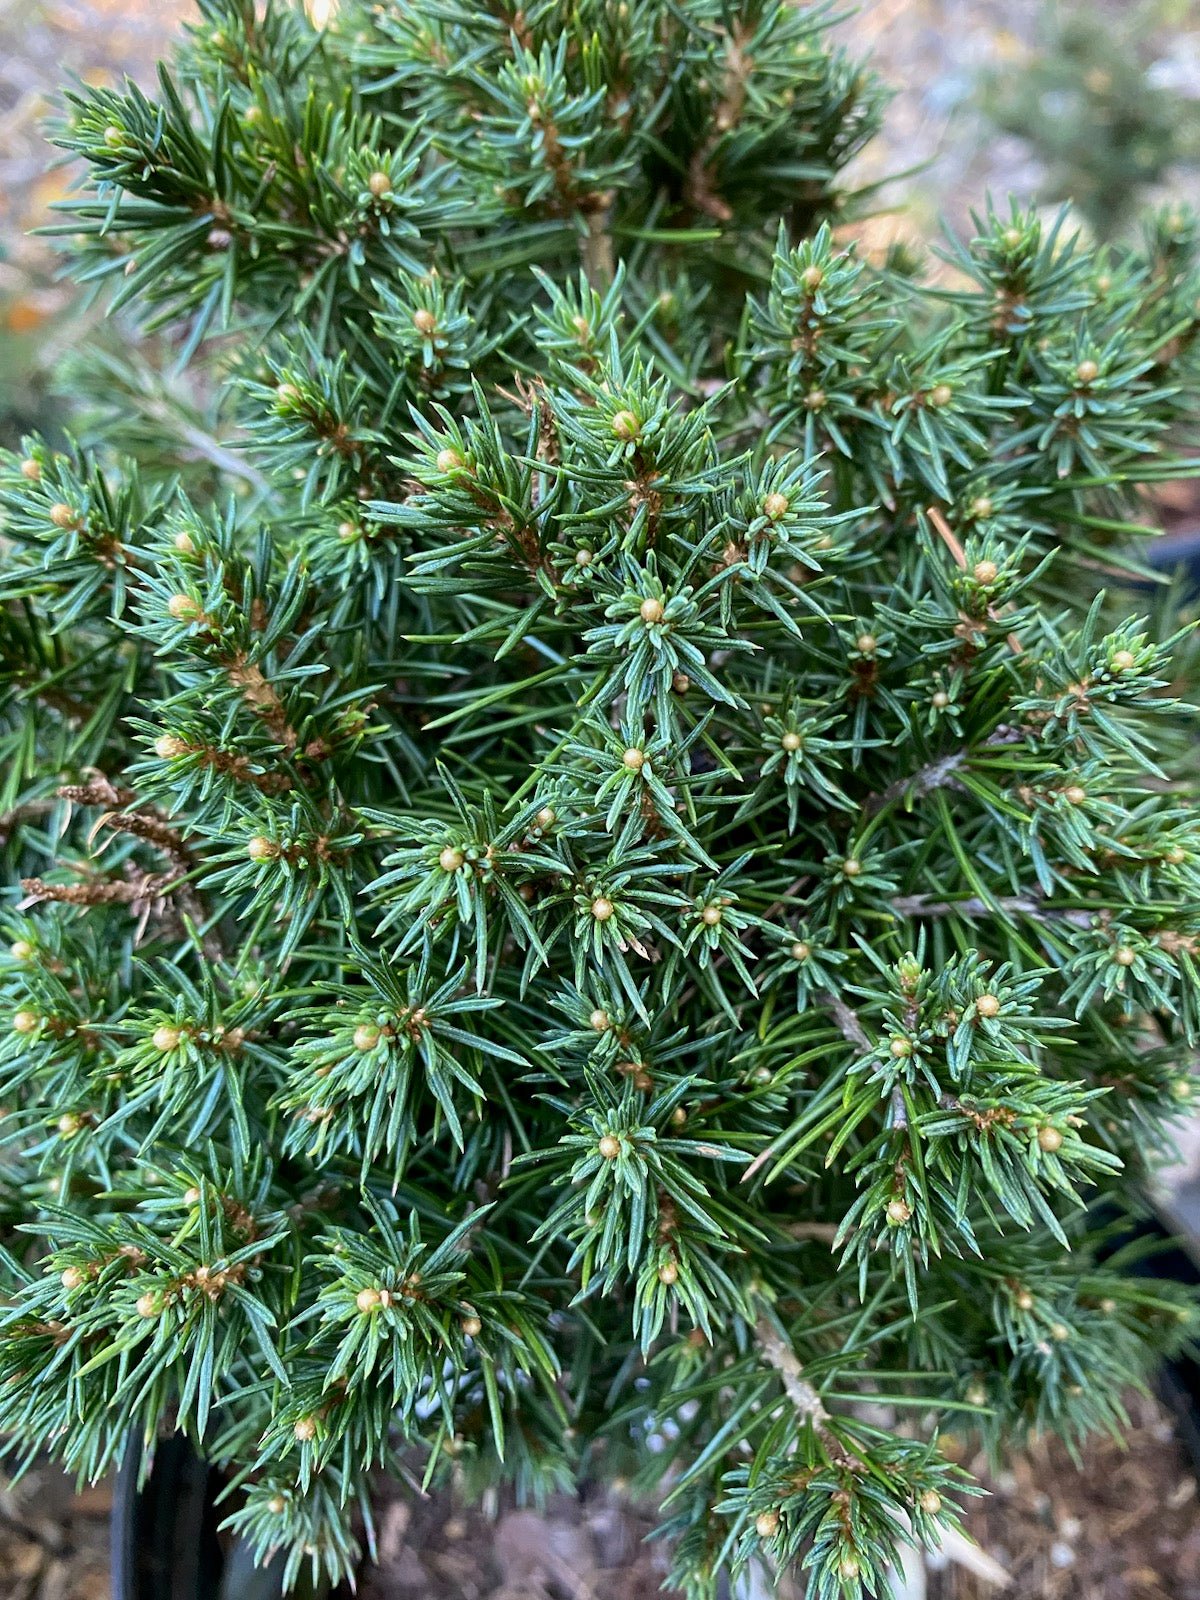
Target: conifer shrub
(600, 868)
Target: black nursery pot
(165, 1540)
(164, 1534)
(1175, 1231)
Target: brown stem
(948, 537)
(778, 1353)
(596, 249)
(102, 891)
(262, 698)
(700, 190)
(938, 774)
(921, 905)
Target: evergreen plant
(601, 872)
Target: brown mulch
(53, 1543)
(1125, 1528)
(577, 1549)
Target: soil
(53, 1542)
(576, 1549)
(1124, 1527)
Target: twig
(854, 1033)
(778, 905)
(203, 444)
(922, 905)
(966, 1553)
(849, 1026)
(823, 1232)
(154, 830)
(23, 813)
(948, 537)
(596, 248)
(98, 791)
(778, 1353)
(938, 774)
(700, 190)
(851, 1029)
(102, 891)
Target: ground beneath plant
(53, 1542)
(1125, 1528)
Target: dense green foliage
(593, 883)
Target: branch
(778, 1353)
(25, 812)
(849, 1026)
(699, 189)
(99, 792)
(102, 891)
(854, 1033)
(923, 905)
(938, 774)
(852, 1030)
(946, 534)
(202, 444)
(155, 830)
(596, 248)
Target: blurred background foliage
(1108, 111)
(1094, 99)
